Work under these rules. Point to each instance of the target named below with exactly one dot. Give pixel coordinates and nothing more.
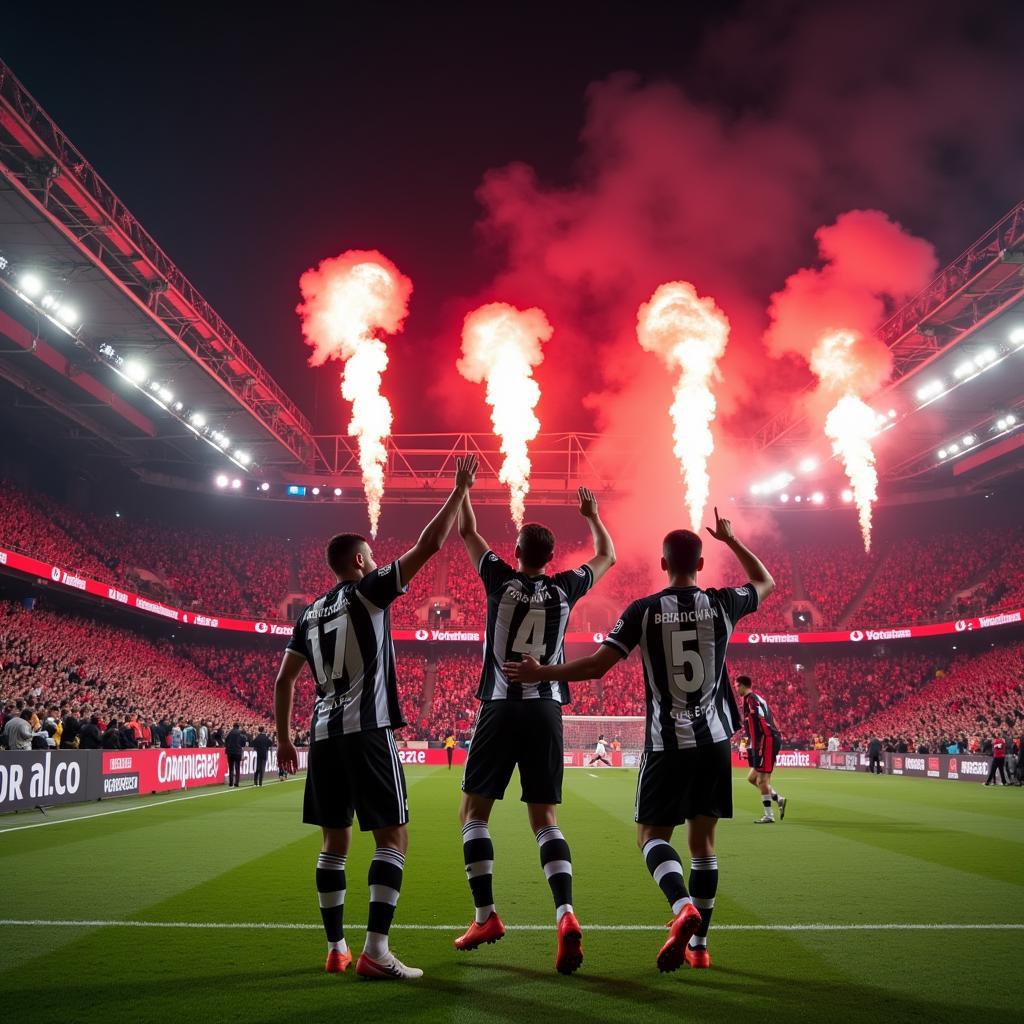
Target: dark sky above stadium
(571, 156)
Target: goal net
(581, 731)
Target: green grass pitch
(854, 850)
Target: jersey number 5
(530, 635)
(691, 678)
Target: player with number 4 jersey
(685, 775)
(527, 613)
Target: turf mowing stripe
(286, 926)
(136, 807)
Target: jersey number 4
(691, 678)
(530, 635)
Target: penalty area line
(309, 926)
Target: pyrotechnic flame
(501, 345)
(850, 427)
(349, 301)
(852, 423)
(690, 334)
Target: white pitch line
(126, 810)
(304, 926)
(592, 775)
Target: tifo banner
(958, 767)
(109, 592)
(42, 778)
(784, 759)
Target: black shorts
(675, 785)
(527, 733)
(359, 772)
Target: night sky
(251, 147)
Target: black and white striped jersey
(526, 615)
(345, 636)
(683, 633)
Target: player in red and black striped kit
(763, 742)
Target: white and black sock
(385, 878)
(330, 890)
(703, 885)
(478, 854)
(556, 861)
(663, 863)
(766, 802)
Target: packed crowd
(50, 659)
(913, 579)
(852, 688)
(977, 696)
(833, 575)
(58, 662)
(917, 576)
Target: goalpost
(581, 731)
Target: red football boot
(673, 953)
(477, 934)
(337, 962)
(570, 945)
(698, 957)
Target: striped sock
(766, 803)
(330, 889)
(775, 796)
(385, 878)
(703, 885)
(663, 863)
(478, 853)
(556, 861)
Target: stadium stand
(907, 579)
(52, 658)
(976, 696)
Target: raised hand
(465, 471)
(722, 530)
(588, 503)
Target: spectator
(89, 736)
(112, 736)
(18, 732)
(234, 742)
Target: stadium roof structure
(154, 379)
(63, 224)
(958, 373)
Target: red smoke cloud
(814, 112)
(869, 264)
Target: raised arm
(435, 533)
(594, 666)
(284, 689)
(476, 546)
(604, 548)
(758, 575)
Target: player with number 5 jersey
(527, 612)
(682, 633)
